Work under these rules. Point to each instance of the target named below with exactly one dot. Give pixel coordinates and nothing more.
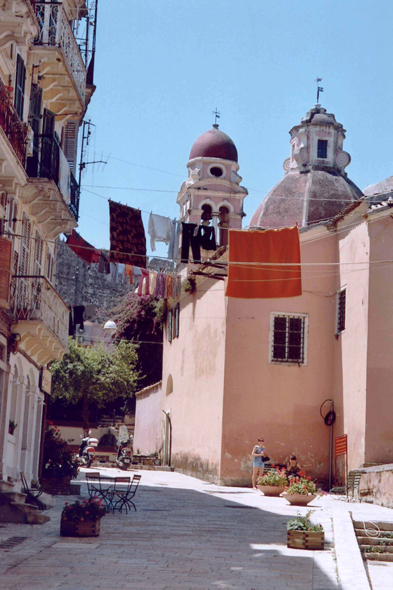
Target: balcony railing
(34, 298)
(33, 3)
(12, 126)
(56, 31)
(49, 161)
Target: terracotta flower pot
(299, 499)
(271, 490)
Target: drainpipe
(170, 437)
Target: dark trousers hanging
(207, 237)
(189, 239)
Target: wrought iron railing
(49, 161)
(12, 126)
(34, 298)
(56, 31)
(33, 3)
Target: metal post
(331, 448)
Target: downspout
(170, 437)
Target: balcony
(42, 318)
(18, 22)
(13, 128)
(62, 69)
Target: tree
(93, 374)
(139, 319)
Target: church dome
(305, 198)
(315, 187)
(214, 144)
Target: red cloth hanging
(127, 235)
(256, 281)
(83, 249)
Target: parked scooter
(123, 459)
(86, 451)
(124, 455)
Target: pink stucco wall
(195, 362)
(281, 402)
(379, 408)
(147, 420)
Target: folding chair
(125, 496)
(93, 484)
(32, 494)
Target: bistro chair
(122, 497)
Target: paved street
(186, 534)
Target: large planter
(305, 539)
(56, 485)
(271, 490)
(299, 499)
(89, 528)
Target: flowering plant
(86, 510)
(274, 477)
(301, 484)
(303, 523)
(58, 459)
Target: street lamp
(110, 327)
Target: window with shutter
(49, 266)
(24, 263)
(70, 143)
(177, 320)
(38, 248)
(170, 325)
(6, 249)
(341, 310)
(20, 86)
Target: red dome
(214, 144)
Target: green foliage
(95, 375)
(303, 523)
(58, 460)
(86, 510)
(301, 485)
(274, 477)
(140, 320)
(189, 285)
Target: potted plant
(82, 518)
(273, 482)
(301, 490)
(11, 427)
(59, 463)
(302, 534)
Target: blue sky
(163, 66)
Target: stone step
(378, 549)
(378, 556)
(374, 541)
(14, 496)
(24, 507)
(6, 486)
(383, 526)
(37, 518)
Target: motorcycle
(123, 459)
(86, 451)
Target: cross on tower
(319, 88)
(216, 114)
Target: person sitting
(293, 467)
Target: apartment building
(46, 82)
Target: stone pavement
(186, 534)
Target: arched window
(207, 213)
(223, 224)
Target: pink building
(237, 369)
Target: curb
(350, 564)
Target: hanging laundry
(71, 325)
(152, 281)
(190, 238)
(90, 311)
(207, 237)
(129, 274)
(160, 230)
(160, 286)
(136, 271)
(103, 263)
(173, 250)
(256, 281)
(127, 235)
(79, 311)
(143, 288)
(121, 268)
(83, 249)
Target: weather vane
(319, 88)
(216, 114)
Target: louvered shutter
(5, 272)
(20, 86)
(70, 143)
(24, 263)
(38, 255)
